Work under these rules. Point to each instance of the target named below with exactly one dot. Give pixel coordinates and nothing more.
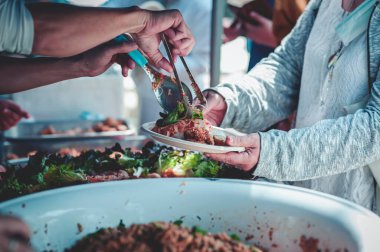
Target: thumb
(17, 109)
(257, 17)
(247, 141)
(124, 47)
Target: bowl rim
(75, 188)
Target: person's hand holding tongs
(184, 98)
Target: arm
(269, 92)
(62, 30)
(22, 74)
(327, 148)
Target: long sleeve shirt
(328, 148)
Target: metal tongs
(184, 98)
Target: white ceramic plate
(188, 145)
(274, 216)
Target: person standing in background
(265, 23)
(285, 16)
(254, 21)
(264, 34)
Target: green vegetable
(121, 224)
(177, 114)
(178, 222)
(197, 114)
(198, 230)
(45, 171)
(235, 237)
(58, 175)
(207, 169)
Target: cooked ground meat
(198, 135)
(157, 237)
(195, 130)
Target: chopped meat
(195, 130)
(158, 236)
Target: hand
(97, 60)
(215, 109)
(232, 31)
(171, 23)
(246, 160)
(259, 29)
(14, 235)
(10, 114)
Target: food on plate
(109, 124)
(195, 129)
(47, 171)
(159, 236)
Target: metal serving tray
(29, 131)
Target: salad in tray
(47, 171)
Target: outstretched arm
(22, 74)
(60, 30)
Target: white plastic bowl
(276, 215)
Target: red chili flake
(80, 228)
(270, 234)
(249, 237)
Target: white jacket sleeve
(16, 27)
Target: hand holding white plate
(193, 146)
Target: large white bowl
(276, 215)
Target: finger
(124, 47)
(248, 141)
(13, 227)
(256, 17)
(236, 159)
(11, 122)
(125, 63)
(2, 169)
(182, 41)
(164, 64)
(212, 101)
(131, 64)
(184, 46)
(124, 71)
(173, 35)
(5, 125)
(8, 114)
(17, 109)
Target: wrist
(76, 67)
(135, 19)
